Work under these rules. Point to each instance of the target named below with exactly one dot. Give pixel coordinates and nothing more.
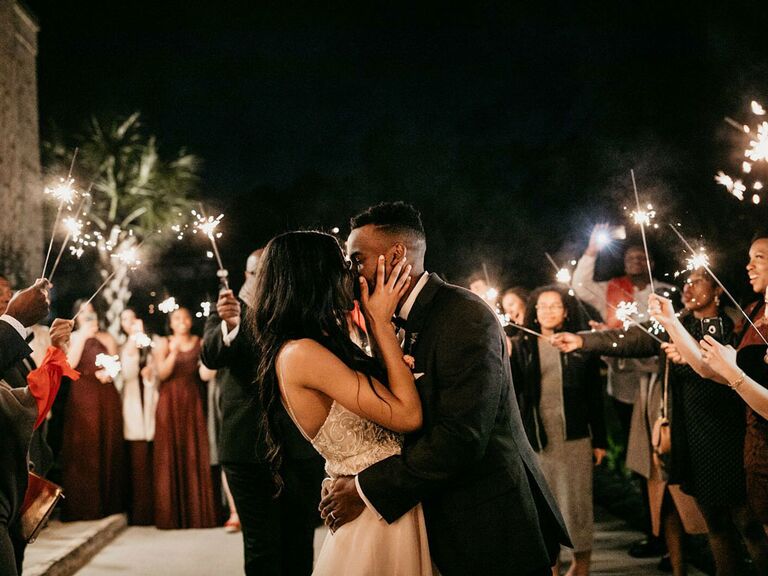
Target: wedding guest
(184, 495)
(626, 376)
(139, 392)
(94, 471)
(707, 431)
(513, 302)
(478, 284)
(277, 532)
(561, 403)
(25, 398)
(755, 453)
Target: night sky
(513, 128)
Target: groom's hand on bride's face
(341, 503)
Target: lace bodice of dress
(350, 444)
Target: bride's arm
(308, 364)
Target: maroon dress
(756, 439)
(183, 485)
(94, 468)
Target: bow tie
(401, 323)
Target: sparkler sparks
(563, 275)
(625, 312)
(757, 109)
(142, 340)
(168, 305)
(644, 217)
(205, 312)
(207, 225)
(63, 191)
(111, 364)
(756, 154)
(698, 260)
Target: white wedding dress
(367, 546)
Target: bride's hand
(380, 305)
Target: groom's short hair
(391, 217)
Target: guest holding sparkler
(513, 302)
(626, 376)
(139, 390)
(561, 402)
(753, 333)
(707, 432)
(93, 453)
(184, 494)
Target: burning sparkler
(111, 364)
(142, 340)
(65, 193)
(206, 310)
(207, 225)
(643, 223)
(168, 305)
(716, 279)
(698, 260)
(756, 151)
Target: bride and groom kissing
(428, 475)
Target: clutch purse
(39, 502)
(661, 435)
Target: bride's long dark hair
(304, 290)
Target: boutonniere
(413, 337)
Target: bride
(350, 407)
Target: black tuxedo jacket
(488, 509)
(239, 439)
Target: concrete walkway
(152, 552)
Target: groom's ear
(397, 252)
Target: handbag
(39, 501)
(661, 435)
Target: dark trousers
(12, 547)
(278, 533)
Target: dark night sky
(512, 128)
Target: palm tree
(135, 193)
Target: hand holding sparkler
(567, 342)
(61, 332)
(228, 308)
(31, 305)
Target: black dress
(708, 428)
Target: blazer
(488, 509)
(240, 438)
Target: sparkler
(643, 223)
(698, 260)
(563, 275)
(527, 330)
(142, 340)
(65, 194)
(111, 364)
(168, 305)
(208, 224)
(756, 150)
(74, 228)
(624, 312)
(706, 267)
(206, 310)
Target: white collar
(408, 304)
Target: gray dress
(566, 464)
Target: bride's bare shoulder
(303, 350)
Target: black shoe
(665, 564)
(647, 548)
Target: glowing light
(757, 109)
(111, 364)
(757, 185)
(603, 239)
(209, 254)
(168, 305)
(207, 225)
(206, 310)
(73, 226)
(755, 199)
(142, 340)
(746, 167)
(700, 260)
(128, 256)
(758, 149)
(625, 312)
(644, 217)
(63, 191)
(563, 275)
(735, 187)
(335, 230)
(491, 294)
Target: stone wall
(21, 191)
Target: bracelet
(738, 382)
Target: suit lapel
(419, 314)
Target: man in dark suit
(277, 532)
(18, 412)
(487, 507)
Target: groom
(488, 510)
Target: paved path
(151, 552)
